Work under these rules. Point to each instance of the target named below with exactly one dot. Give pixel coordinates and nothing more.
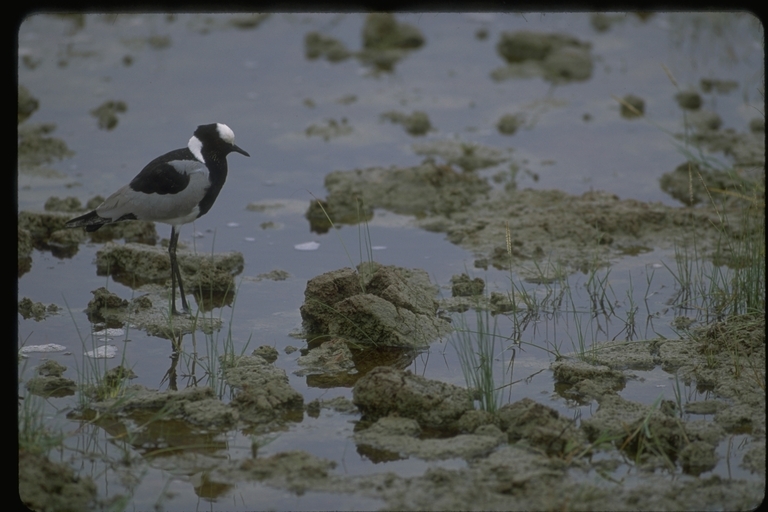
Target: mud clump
(330, 130)
(391, 437)
(698, 457)
(374, 306)
(48, 485)
(746, 148)
(469, 156)
(106, 114)
(317, 45)
(558, 58)
(261, 395)
(383, 31)
(197, 406)
(428, 189)
(509, 123)
(36, 148)
(692, 184)
(716, 85)
(295, 470)
(103, 298)
(417, 123)
(110, 308)
(27, 104)
(386, 391)
(36, 310)
(24, 248)
(577, 378)
(385, 41)
(262, 392)
(68, 204)
(48, 230)
(49, 381)
(572, 232)
(41, 225)
(269, 354)
(656, 435)
(134, 264)
(149, 311)
(636, 426)
(705, 120)
(332, 357)
(540, 427)
(689, 100)
(464, 286)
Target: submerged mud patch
(262, 397)
(526, 456)
(424, 191)
(510, 228)
(557, 58)
(416, 123)
(36, 148)
(36, 310)
(385, 41)
(396, 435)
(135, 264)
(262, 392)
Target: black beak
(239, 150)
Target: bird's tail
(91, 221)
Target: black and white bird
(174, 189)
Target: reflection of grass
(733, 283)
(476, 350)
(712, 281)
(95, 380)
(34, 436)
(219, 351)
(364, 240)
(364, 271)
(586, 308)
(642, 441)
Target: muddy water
(305, 107)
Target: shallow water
(175, 72)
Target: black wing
(162, 175)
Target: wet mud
(557, 58)
(509, 228)
(374, 306)
(363, 326)
(49, 485)
(384, 42)
(524, 455)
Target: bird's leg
(175, 272)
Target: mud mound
(386, 391)
(374, 306)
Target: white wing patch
(195, 146)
